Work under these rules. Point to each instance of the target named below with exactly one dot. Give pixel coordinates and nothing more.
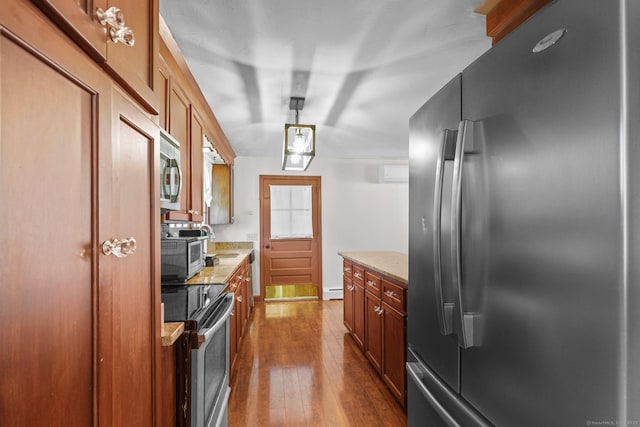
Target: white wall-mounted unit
(393, 173)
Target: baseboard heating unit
(332, 293)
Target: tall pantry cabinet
(79, 275)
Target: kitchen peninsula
(375, 285)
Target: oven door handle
(209, 332)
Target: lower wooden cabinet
(375, 316)
(358, 315)
(373, 332)
(240, 286)
(394, 344)
(347, 292)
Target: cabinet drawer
(347, 269)
(358, 274)
(372, 283)
(394, 295)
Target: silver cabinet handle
(350, 288)
(371, 283)
(464, 145)
(119, 248)
(239, 298)
(444, 310)
(113, 20)
(378, 310)
(347, 269)
(390, 294)
(358, 275)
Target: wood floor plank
(297, 366)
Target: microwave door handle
(172, 180)
(444, 310)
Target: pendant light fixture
(299, 146)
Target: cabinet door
(393, 341)
(233, 336)
(179, 119)
(221, 211)
(358, 314)
(49, 293)
(348, 303)
(163, 88)
(373, 334)
(134, 279)
(196, 168)
(134, 67)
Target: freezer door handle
(413, 370)
(464, 321)
(446, 152)
(449, 406)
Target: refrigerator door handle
(444, 310)
(412, 371)
(449, 406)
(464, 321)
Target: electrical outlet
(252, 236)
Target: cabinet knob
(119, 248)
(113, 20)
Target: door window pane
(291, 211)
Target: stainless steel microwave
(170, 173)
(180, 258)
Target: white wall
(358, 213)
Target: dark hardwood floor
(298, 366)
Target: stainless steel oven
(210, 367)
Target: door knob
(113, 20)
(119, 248)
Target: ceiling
(363, 66)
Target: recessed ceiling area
(364, 67)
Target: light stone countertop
(171, 331)
(390, 263)
(221, 273)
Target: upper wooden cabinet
(196, 206)
(188, 118)
(179, 118)
(133, 67)
(504, 16)
(163, 79)
(221, 210)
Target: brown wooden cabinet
(133, 67)
(348, 290)
(373, 333)
(375, 316)
(77, 157)
(196, 205)
(240, 286)
(179, 119)
(385, 331)
(221, 210)
(358, 314)
(394, 357)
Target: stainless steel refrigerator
(524, 247)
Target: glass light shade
(299, 146)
